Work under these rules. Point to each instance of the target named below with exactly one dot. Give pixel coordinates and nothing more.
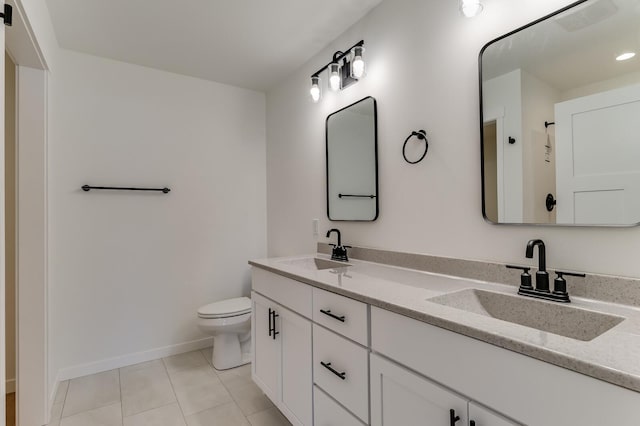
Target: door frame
(33, 395)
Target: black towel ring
(422, 135)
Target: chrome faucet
(339, 251)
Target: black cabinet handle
(328, 313)
(275, 333)
(269, 322)
(453, 418)
(327, 365)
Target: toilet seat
(226, 308)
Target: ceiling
(574, 49)
(245, 43)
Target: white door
(598, 158)
(480, 416)
(400, 397)
(266, 346)
(297, 377)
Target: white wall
(129, 270)
(422, 58)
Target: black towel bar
(87, 188)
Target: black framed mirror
(560, 101)
(352, 162)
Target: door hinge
(7, 15)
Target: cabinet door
(479, 416)
(266, 350)
(297, 380)
(400, 397)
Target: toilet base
(229, 352)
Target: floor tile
(250, 398)
(144, 387)
(223, 415)
(61, 393)
(169, 415)
(233, 377)
(56, 411)
(207, 352)
(187, 361)
(199, 390)
(105, 416)
(271, 417)
(90, 392)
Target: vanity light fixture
(470, 8)
(344, 69)
(625, 56)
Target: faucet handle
(525, 277)
(570, 274)
(560, 284)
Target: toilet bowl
(229, 322)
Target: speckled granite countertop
(614, 356)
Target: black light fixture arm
(338, 56)
(7, 15)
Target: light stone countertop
(614, 356)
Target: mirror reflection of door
(568, 87)
(491, 171)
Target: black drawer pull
(275, 333)
(270, 326)
(328, 313)
(327, 365)
(453, 418)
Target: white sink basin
(315, 263)
(552, 317)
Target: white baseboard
(10, 385)
(130, 359)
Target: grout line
(173, 389)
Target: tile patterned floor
(182, 390)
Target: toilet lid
(226, 308)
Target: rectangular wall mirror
(352, 162)
(560, 114)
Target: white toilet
(229, 322)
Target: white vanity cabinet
(282, 349)
(529, 391)
(400, 397)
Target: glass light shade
(357, 64)
(334, 77)
(470, 8)
(315, 92)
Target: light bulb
(357, 64)
(334, 77)
(625, 56)
(315, 88)
(470, 8)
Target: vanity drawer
(342, 315)
(327, 412)
(289, 293)
(348, 383)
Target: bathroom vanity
(370, 344)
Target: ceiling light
(470, 8)
(316, 94)
(625, 56)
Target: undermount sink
(316, 263)
(563, 320)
